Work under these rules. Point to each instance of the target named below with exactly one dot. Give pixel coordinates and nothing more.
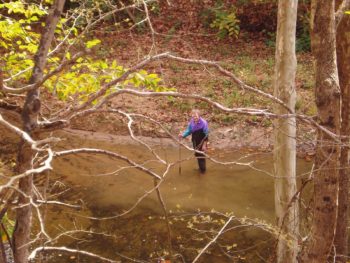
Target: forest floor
(252, 60)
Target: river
(198, 204)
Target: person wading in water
(198, 127)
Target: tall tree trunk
(327, 94)
(25, 156)
(287, 211)
(343, 58)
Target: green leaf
(34, 18)
(9, 225)
(92, 43)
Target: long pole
(180, 158)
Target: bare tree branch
(130, 122)
(41, 81)
(246, 111)
(148, 19)
(8, 106)
(146, 61)
(60, 45)
(174, 138)
(25, 136)
(138, 201)
(64, 40)
(213, 240)
(65, 249)
(46, 166)
(53, 202)
(109, 153)
(165, 212)
(115, 11)
(341, 11)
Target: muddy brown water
(104, 189)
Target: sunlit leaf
(92, 43)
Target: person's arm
(187, 132)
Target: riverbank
(241, 137)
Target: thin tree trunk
(287, 213)
(327, 94)
(343, 58)
(25, 156)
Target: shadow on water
(198, 206)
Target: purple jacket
(193, 127)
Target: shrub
(226, 23)
(221, 18)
